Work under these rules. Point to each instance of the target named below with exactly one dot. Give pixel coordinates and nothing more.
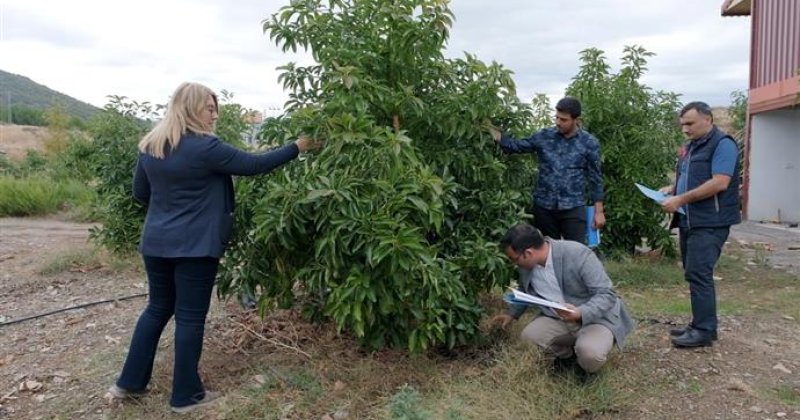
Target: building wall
(775, 54)
(775, 166)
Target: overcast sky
(143, 49)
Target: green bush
(390, 231)
(40, 196)
(116, 132)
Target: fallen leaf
(111, 340)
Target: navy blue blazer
(189, 194)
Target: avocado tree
(639, 136)
(391, 230)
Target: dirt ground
(16, 140)
(59, 366)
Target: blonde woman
(184, 177)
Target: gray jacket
(585, 284)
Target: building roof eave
(736, 7)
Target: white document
(655, 195)
(524, 297)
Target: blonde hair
(183, 115)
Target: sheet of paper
(526, 298)
(655, 195)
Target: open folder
(655, 195)
(517, 297)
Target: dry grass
(84, 259)
(16, 140)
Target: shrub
(390, 231)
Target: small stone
(780, 414)
(260, 379)
(30, 385)
(338, 386)
(341, 414)
(756, 409)
(780, 367)
(771, 341)
(788, 318)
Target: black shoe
(677, 332)
(565, 365)
(693, 338)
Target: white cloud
(143, 50)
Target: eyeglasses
(516, 259)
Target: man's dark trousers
(700, 250)
(569, 224)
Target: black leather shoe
(562, 366)
(677, 332)
(693, 338)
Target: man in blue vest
(707, 190)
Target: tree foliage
(390, 231)
(738, 113)
(22, 115)
(638, 132)
(116, 131)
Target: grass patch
(787, 395)
(405, 405)
(39, 196)
(657, 288)
(639, 272)
(520, 383)
(87, 259)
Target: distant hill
(20, 90)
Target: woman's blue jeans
(180, 287)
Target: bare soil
(60, 366)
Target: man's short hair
(569, 105)
(521, 237)
(701, 108)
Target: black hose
(71, 308)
